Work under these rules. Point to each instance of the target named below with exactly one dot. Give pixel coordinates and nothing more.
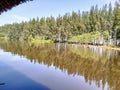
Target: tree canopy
(97, 25)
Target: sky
(47, 8)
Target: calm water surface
(26, 66)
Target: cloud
(19, 18)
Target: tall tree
(116, 24)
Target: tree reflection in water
(95, 64)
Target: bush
(87, 38)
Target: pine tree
(116, 24)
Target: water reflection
(96, 65)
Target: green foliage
(117, 19)
(106, 35)
(87, 38)
(37, 41)
(79, 27)
(1, 35)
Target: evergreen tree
(116, 24)
(85, 27)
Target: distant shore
(105, 47)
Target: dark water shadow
(2, 83)
(11, 79)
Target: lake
(26, 66)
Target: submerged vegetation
(97, 26)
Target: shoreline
(105, 47)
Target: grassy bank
(37, 41)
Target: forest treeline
(97, 26)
